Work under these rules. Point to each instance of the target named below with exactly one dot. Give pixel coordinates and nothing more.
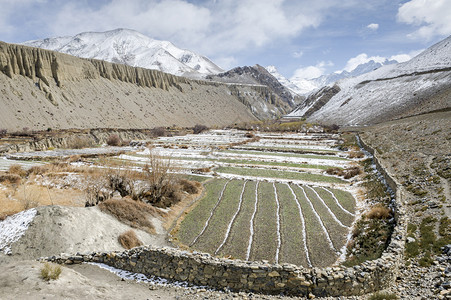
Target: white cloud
(364, 58)
(373, 26)
(298, 54)
(221, 28)
(226, 62)
(361, 59)
(403, 57)
(433, 17)
(311, 72)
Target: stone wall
(203, 269)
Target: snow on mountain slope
(392, 91)
(306, 86)
(131, 48)
(296, 88)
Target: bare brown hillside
(43, 89)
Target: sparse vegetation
(199, 128)
(50, 271)
(133, 213)
(346, 173)
(129, 239)
(159, 131)
(79, 142)
(114, 140)
(378, 211)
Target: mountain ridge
(132, 48)
(392, 91)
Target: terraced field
(277, 222)
(277, 206)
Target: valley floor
(415, 149)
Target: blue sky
(301, 38)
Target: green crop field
(245, 220)
(306, 156)
(269, 173)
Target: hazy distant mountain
(419, 85)
(132, 48)
(302, 86)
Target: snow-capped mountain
(302, 86)
(298, 88)
(392, 91)
(131, 48)
(359, 70)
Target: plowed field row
(276, 222)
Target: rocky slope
(392, 91)
(258, 75)
(132, 48)
(43, 89)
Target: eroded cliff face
(41, 89)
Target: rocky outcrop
(42, 89)
(315, 101)
(257, 75)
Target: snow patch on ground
(139, 277)
(13, 227)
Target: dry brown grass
(17, 170)
(378, 211)
(133, 213)
(14, 199)
(346, 173)
(50, 271)
(191, 187)
(114, 140)
(129, 240)
(202, 170)
(355, 154)
(10, 178)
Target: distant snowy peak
(306, 86)
(132, 48)
(295, 87)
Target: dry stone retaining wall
(203, 269)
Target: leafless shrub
(129, 240)
(378, 211)
(10, 178)
(355, 154)
(17, 169)
(95, 191)
(161, 188)
(114, 140)
(202, 170)
(346, 173)
(3, 131)
(331, 128)
(158, 131)
(335, 171)
(351, 172)
(79, 142)
(191, 187)
(199, 128)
